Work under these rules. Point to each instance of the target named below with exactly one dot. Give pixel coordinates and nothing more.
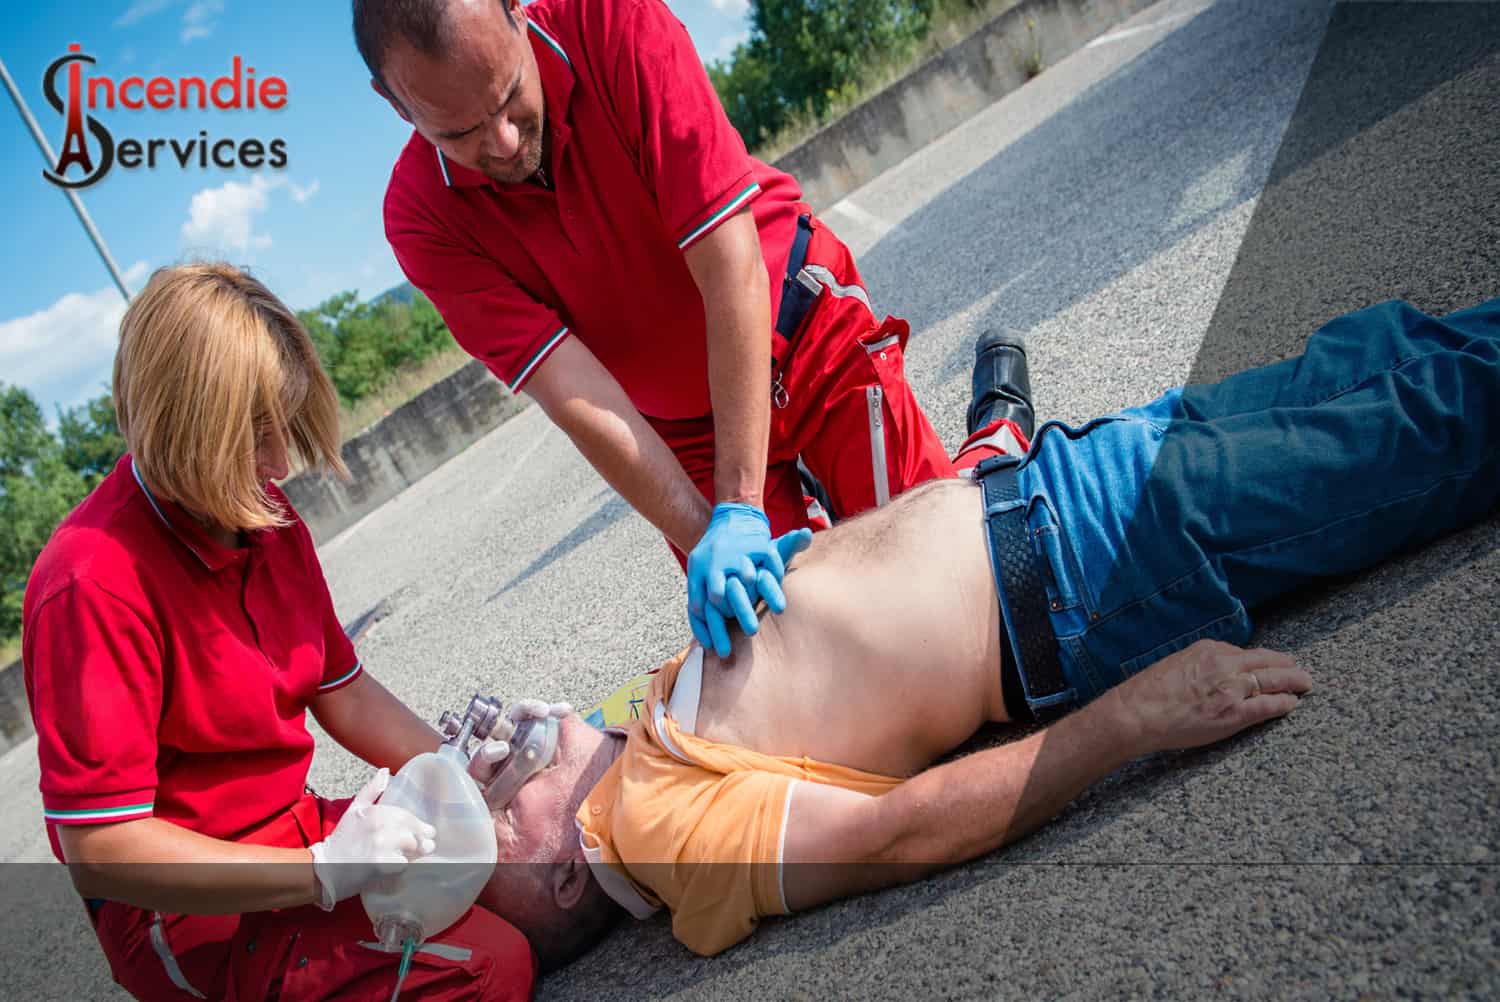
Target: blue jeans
(1168, 523)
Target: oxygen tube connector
(392, 931)
(403, 931)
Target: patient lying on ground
(852, 689)
(747, 782)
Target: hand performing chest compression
(734, 564)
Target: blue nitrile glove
(735, 563)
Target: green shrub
(364, 345)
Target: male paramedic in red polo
(589, 224)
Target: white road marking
(515, 467)
(868, 220)
(1124, 33)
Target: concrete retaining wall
(15, 716)
(944, 92)
(405, 446)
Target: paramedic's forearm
(731, 276)
(972, 806)
(586, 402)
(366, 719)
(156, 865)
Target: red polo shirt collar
(190, 532)
(556, 71)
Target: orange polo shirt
(699, 826)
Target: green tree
(38, 488)
(802, 55)
(363, 345)
(432, 331)
(322, 322)
(90, 440)
(747, 88)
(23, 433)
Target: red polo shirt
(168, 675)
(644, 164)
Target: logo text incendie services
(90, 150)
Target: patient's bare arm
(967, 808)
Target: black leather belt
(1026, 626)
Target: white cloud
(141, 9)
(726, 46)
(301, 193)
(223, 218)
(63, 353)
(736, 8)
(200, 19)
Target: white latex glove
(495, 749)
(370, 842)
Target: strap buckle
(990, 464)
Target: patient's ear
(570, 878)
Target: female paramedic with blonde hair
(176, 627)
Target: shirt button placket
(568, 218)
(247, 603)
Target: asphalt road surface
(1196, 191)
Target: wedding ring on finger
(1254, 681)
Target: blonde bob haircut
(209, 360)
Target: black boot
(1002, 386)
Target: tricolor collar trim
(149, 496)
(209, 555)
(551, 44)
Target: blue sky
(309, 230)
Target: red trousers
(306, 953)
(846, 409)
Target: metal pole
(83, 214)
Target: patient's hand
(1206, 693)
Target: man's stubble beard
(533, 147)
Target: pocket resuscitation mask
(532, 745)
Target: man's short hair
(419, 23)
(562, 938)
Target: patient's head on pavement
(542, 884)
